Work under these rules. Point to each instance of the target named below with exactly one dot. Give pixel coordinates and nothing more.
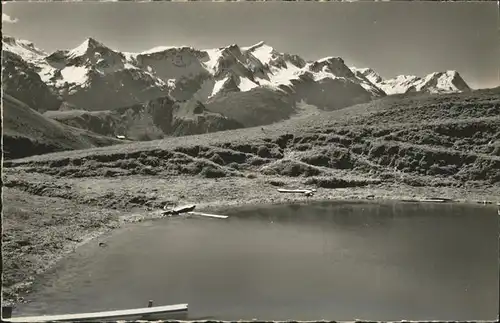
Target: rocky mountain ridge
(232, 86)
(434, 83)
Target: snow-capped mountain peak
(93, 74)
(440, 82)
(330, 59)
(90, 62)
(331, 67)
(252, 47)
(437, 82)
(23, 48)
(88, 46)
(369, 74)
(232, 47)
(399, 84)
(162, 49)
(93, 52)
(263, 52)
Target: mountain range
(171, 91)
(434, 83)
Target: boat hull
(171, 312)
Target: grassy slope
(392, 147)
(460, 122)
(26, 131)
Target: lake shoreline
(114, 238)
(259, 193)
(376, 194)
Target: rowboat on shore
(189, 209)
(180, 209)
(168, 312)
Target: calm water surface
(305, 262)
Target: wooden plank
(445, 199)
(425, 200)
(209, 215)
(122, 314)
(433, 200)
(282, 190)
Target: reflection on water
(337, 261)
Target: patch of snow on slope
(158, 81)
(281, 76)
(129, 56)
(73, 74)
(213, 58)
(218, 86)
(246, 84)
(46, 72)
(367, 87)
(80, 50)
(23, 48)
(171, 83)
(399, 84)
(324, 73)
(369, 74)
(130, 66)
(445, 81)
(160, 49)
(253, 46)
(326, 59)
(261, 51)
(419, 84)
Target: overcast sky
(392, 38)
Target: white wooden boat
(184, 208)
(146, 313)
(180, 209)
